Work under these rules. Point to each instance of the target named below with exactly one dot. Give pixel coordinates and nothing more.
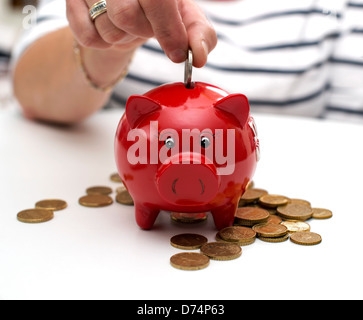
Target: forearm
(50, 85)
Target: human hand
(127, 24)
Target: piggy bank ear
(138, 107)
(236, 104)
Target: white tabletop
(101, 253)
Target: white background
(86, 253)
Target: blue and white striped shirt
(301, 57)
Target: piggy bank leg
(224, 217)
(145, 216)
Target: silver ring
(188, 70)
(97, 9)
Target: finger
(81, 25)
(167, 26)
(108, 31)
(128, 16)
(201, 34)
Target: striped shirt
(301, 57)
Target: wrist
(103, 69)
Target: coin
(237, 234)
(121, 189)
(188, 217)
(305, 238)
(275, 240)
(253, 194)
(250, 185)
(271, 211)
(240, 243)
(295, 211)
(273, 200)
(249, 216)
(188, 241)
(35, 215)
(274, 219)
(320, 213)
(99, 190)
(296, 226)
(221, 250)
(270, 230)
(125, 198)
(115, 177)
(51, 204)
(95, 201)
(189, 261)
(300, 201)
(188, 70)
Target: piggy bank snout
(188, 179)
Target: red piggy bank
(186, 150)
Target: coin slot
(190, 85)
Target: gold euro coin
(295, 225)
(51, 204)
(189, 261)
(271, 211)
(121, 189)
(188, 217)
(250, 185)
(253, 194)
(275, 240)
(115, 177)
(188, 241)
(237, 234)
(125, 198)
(293, 211)
(240, 243)
(274, 219)
(249, 216)
(99, 190)
(270, 230)
(305, 238)
(35, 215)
(273, 200)
(95, 201)
(300, 201)
(320, 213)
(221, 250)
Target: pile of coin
(43, 211)
(96, 197)
(100, 196)
(268, 217)
(122, 195)
(289, 213)
(208, 250)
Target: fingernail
(178, 55)
(205, 47)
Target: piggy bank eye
(204, 142)
(169, 142)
